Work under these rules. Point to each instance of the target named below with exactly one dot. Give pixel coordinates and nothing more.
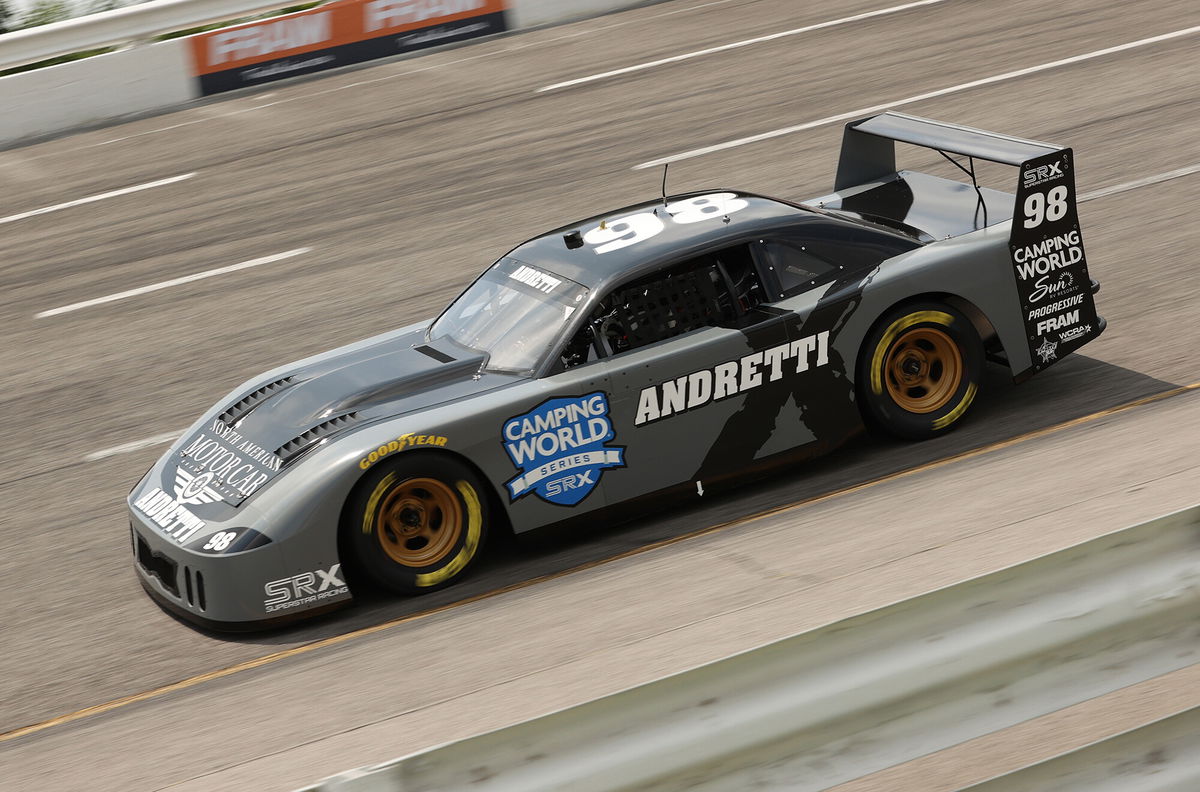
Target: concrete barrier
(147, 78)
(531, 13)
(93, 90)
(860, 695)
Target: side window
(683, 299)
(582, 348)
(796, 265)
(808, 257)
(737, 266)
(711, 290)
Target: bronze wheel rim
(419, 522)
(923, 370)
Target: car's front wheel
(416, 524)
(920, 370)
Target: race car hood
(259, 434)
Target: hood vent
(243, 406)
(302, 442)
(436, 354)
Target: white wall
(95, 89)
(527, 13)
(157, 76)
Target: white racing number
(705, 207)
(220, 541)
(1045, 206)
(631, 229)
(624, 231)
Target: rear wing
(869, 150)
(1045, 243)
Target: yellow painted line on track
(295, 651)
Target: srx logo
(1042, 173)
(302, 585)
(573, 481)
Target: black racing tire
(416, 524)
(919, 371)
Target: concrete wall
(158, 76)
(105, 87)
(528, 13)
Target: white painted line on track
(1145, 181)
(879, 108)
(136, 445)
(94, 198)
(173, 282)
(738, 44)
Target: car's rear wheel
(416, 524)
(920, 370)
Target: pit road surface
(403, 180)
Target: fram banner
(335, 34)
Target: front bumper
(229, 591)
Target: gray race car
(670, 345)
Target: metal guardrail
(1163, 756)
(122, 26)
(863, 694)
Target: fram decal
(335, 34)
(559, 447)
(260, 41)
(385, 14)
(1058, 322)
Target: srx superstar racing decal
(559, 447)
(1048, 260)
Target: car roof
(583, 265)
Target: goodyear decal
(402, 442)
(559, 447)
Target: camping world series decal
(559, 447)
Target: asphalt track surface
(403, 180)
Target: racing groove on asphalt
(405, 188)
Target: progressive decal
(335, 34)
(1048, 260)
(559, 448)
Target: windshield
(514, 312)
